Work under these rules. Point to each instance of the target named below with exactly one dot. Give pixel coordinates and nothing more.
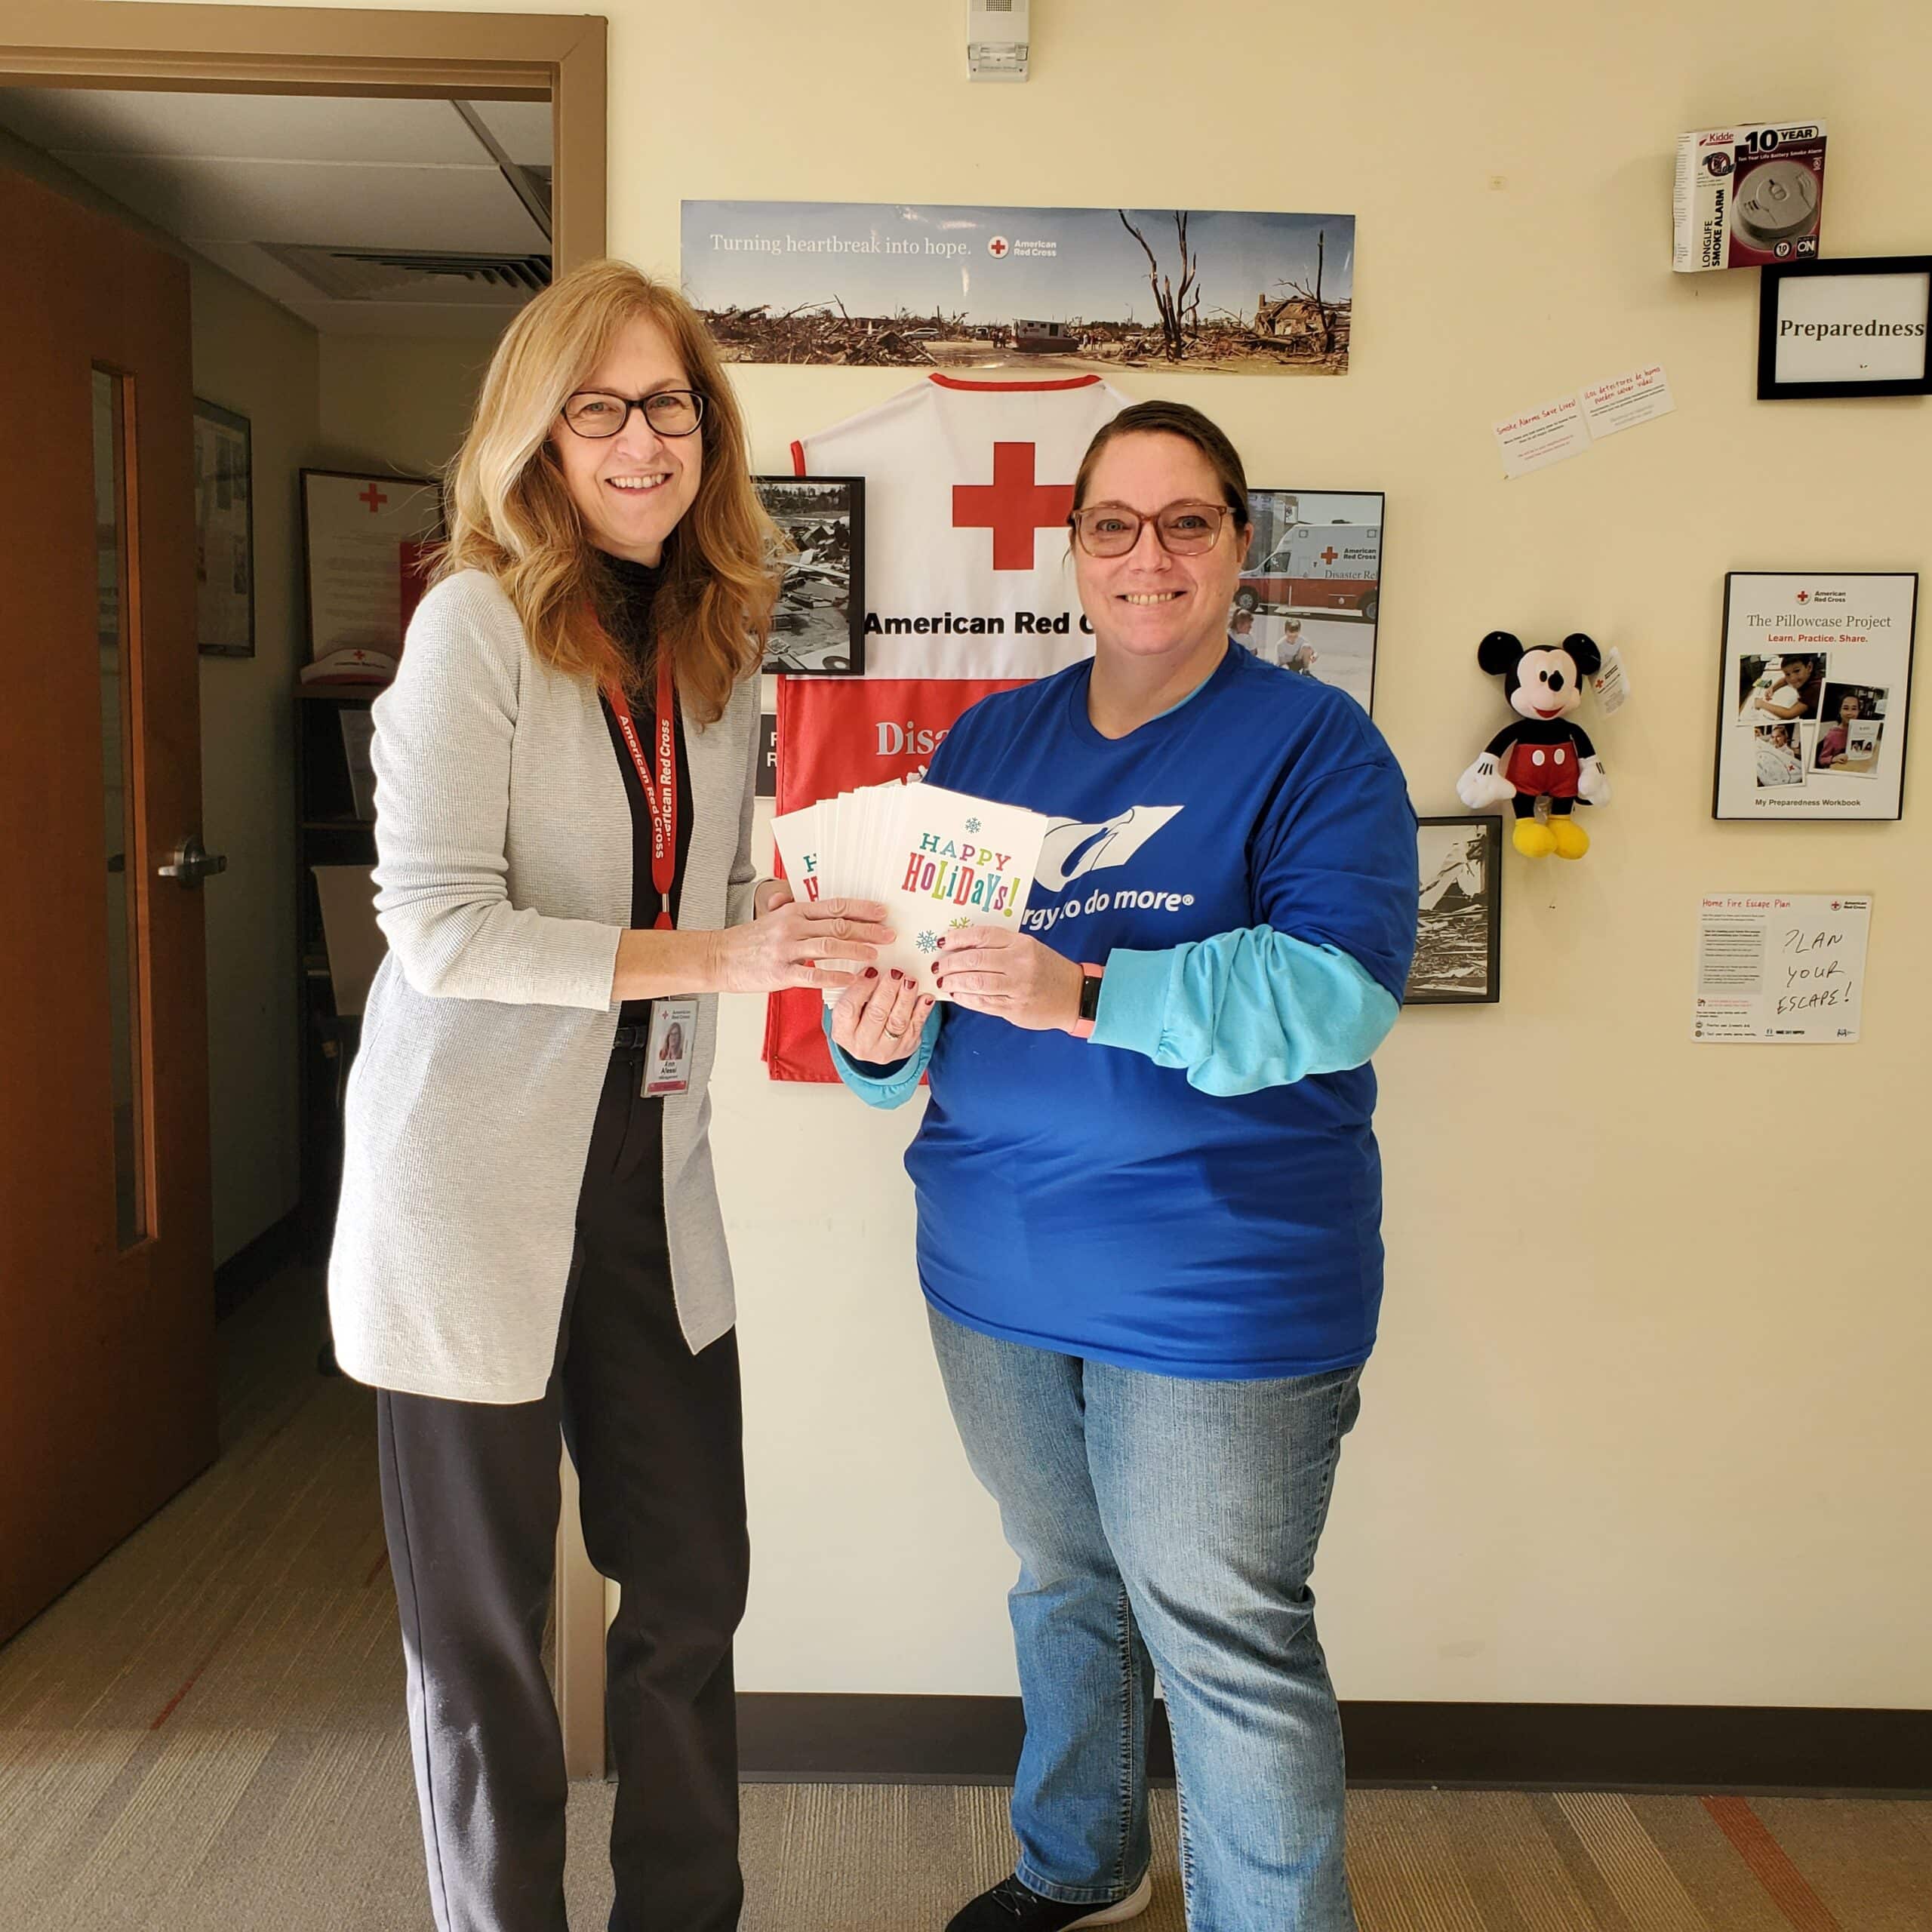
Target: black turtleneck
(633, 588)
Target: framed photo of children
(1459, 913)
(1814, 695)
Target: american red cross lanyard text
(661, 789)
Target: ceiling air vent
(415, 275)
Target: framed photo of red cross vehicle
(364, 545)
(1310, 596)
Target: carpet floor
(204, 1734)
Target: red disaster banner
(835, 735)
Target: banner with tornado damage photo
(941, 286)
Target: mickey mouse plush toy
(1543, 756)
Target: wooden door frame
(557, 57)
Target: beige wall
(1648, 1420)
(256, 358)
(326, 402)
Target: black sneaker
(1012, 1907)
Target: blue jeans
(1169, 1525)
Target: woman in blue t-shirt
(1150, 1199)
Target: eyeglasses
(1183, 530)
(601, 413)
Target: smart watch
(1089, 1000)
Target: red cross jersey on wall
(1013, 506)
(968, 483)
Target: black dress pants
(470, 1501)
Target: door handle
(192, 863)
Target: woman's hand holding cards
(986, 969)
(879, 1017)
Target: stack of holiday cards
(938, 861)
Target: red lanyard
(663, 791)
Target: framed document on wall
(224, 533)
(1813, 695)
(365, 541)
(1845, 327)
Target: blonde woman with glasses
(529, 1247)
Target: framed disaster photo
(1852, 328)
(1459, 913)
(1814, 696)
(1309, 595)
(819, 627)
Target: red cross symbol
(374, 497)
(1012, 506)
(1804, 597)
(1329, 555)
(998, 245)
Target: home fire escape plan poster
(1781, 969)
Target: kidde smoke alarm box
(997, 37)
(1748, 195)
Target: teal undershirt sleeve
(1243, 1010)
(893, 1084)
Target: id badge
(667, 1060)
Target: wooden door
(106, 1301)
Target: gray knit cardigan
(503, 841)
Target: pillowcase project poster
(1815, 690)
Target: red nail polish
(896, 975)
(872, 972)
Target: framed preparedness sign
(1854, 327)
(1814, 695)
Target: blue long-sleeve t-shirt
(1196, 1190)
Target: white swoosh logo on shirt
(1070, 850)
